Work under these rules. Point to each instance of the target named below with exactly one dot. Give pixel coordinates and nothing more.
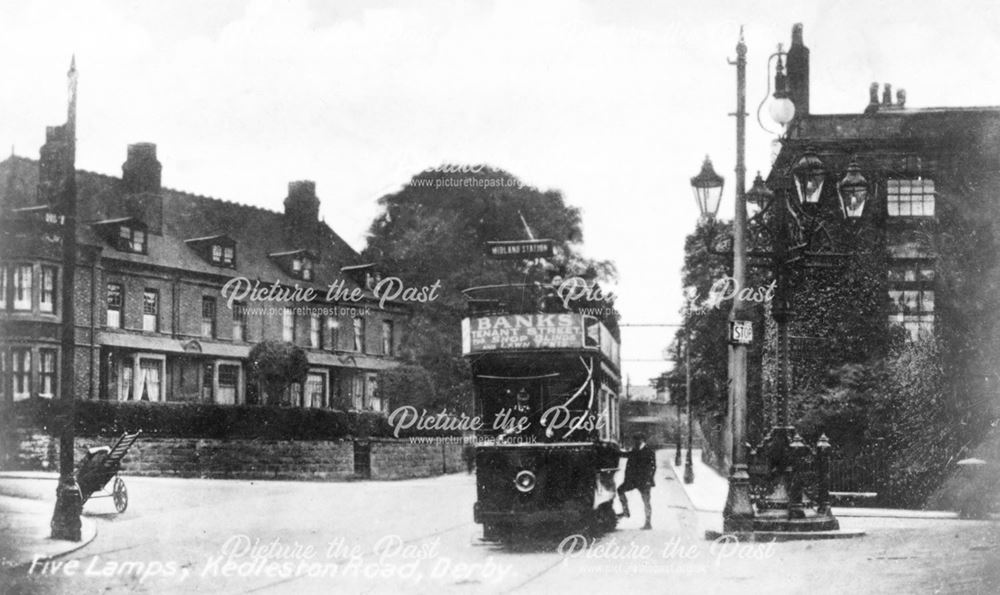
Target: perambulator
(99, 466)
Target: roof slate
(258, 232)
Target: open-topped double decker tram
(546, 391)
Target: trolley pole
(69, 502)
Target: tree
(435, 229)
(406, 384)
(704, 332)
(276, 365)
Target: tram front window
(555, 409)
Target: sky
(613, 103)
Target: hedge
(202, 420)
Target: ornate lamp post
(780, 456)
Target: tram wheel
(120, 495)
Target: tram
(547, 385)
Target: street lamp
(782, 109)
(853, 191)
(780, 456)
(707, 186)
(688, 463)
(690, 295)
(809, 175)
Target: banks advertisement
(527, 331)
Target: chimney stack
(301, 206)
(55, 161)
(141, 170)
(797, 67)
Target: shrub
(203, 420)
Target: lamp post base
(738, 514)
(66, 517)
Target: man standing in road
(639, 472)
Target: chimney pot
(901, 98)
(887, 94)
(873, 94)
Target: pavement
(24, 525)
(707, 494)
(186, 535)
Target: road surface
(417, 536)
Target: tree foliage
(407, 384)
(705, 328)
(276, 365)
(435, 229)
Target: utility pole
(738, 512)
(69, 502)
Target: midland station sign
(522, 331)
(519, 249)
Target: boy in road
(639, 471)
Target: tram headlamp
(524, 481)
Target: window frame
(51, 375)
(49, 277)
(23, 374)
(20, 288)
(128, 239)
(240, 321)
(911, 193)
(359, 330)
(4, 286)
(210, 321)
(388, 340)
(155, 293)
(288, 325)
(315, 331)
(120, 310)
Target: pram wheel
(120, 495)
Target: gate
(363, 459)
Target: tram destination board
(522, 331)
(519, 249)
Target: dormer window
(223, 254)
(219, 250)
(364, 275)
(127, 234)
(131, 239)
(297, 263)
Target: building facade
(927, 232)
(154, 317)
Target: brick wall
(244, 459)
